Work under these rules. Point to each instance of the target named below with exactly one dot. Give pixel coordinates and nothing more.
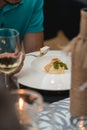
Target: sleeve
(37, 19)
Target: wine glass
(10, 53)
(28, 104)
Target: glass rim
(10, 29)
(35, 96)
(28, 92)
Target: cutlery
(43, 51)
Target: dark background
(62, 15)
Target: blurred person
(8, 116)
(26, 16)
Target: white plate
(33, 74)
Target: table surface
(56, 116)
(50, 96)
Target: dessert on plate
(56, 66)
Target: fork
(43, 51)
(39, 55)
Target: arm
(33, 42)
(33, 39)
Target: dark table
(50, 96)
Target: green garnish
(63, 65)
(57, 64)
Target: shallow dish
(33, 74)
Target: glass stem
(11, 82)
(7, 78)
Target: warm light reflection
(81, 125)
(21, 103)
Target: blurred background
(62, 15)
